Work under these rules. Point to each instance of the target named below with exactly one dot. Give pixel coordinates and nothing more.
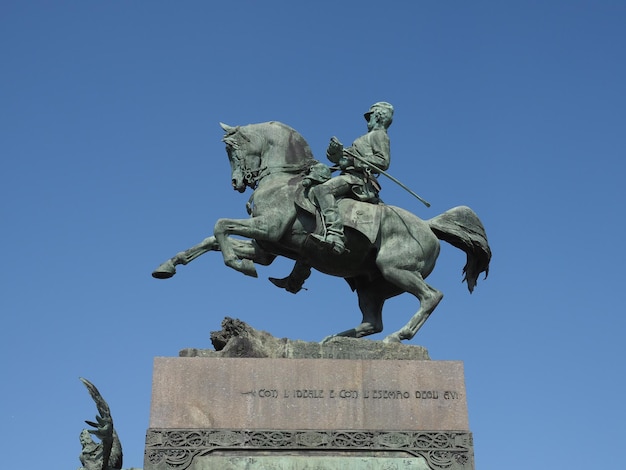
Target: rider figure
(357, 179)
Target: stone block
(222, 413)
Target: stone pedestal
(258, 413)
(212, 412)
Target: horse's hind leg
(429, 298)
(371, 304)
(371, 301)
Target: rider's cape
(363, 217)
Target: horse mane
(274, 133)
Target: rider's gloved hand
(335, 150)
(345, 162)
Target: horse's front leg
(255, 228)
(243, 249)
(168, 268)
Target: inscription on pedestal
(292, 394)
(288, 414)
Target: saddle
(364, 217)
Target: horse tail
(461, 227)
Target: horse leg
(371, 303)
(243, 248)
(268, 228)
(168, 268)
(429, 298)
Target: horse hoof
(165, 271)
(393, 338)
(327, 339)
(247, 267)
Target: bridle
(252, 176)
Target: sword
(383, 172)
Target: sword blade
(392, 178)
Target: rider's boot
(335, 238)
(294, 282)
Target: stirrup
(333, 243)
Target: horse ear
(228, 129)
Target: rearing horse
(393, 255)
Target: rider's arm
(380, 156)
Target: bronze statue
(386, 250)
(359, 164)
(107, 454)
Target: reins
(252, 176)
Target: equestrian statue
(336, 225)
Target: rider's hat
(381, 104)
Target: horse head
(257, 150)
(244, 154)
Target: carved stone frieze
(177, 448)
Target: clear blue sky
(111, 162)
